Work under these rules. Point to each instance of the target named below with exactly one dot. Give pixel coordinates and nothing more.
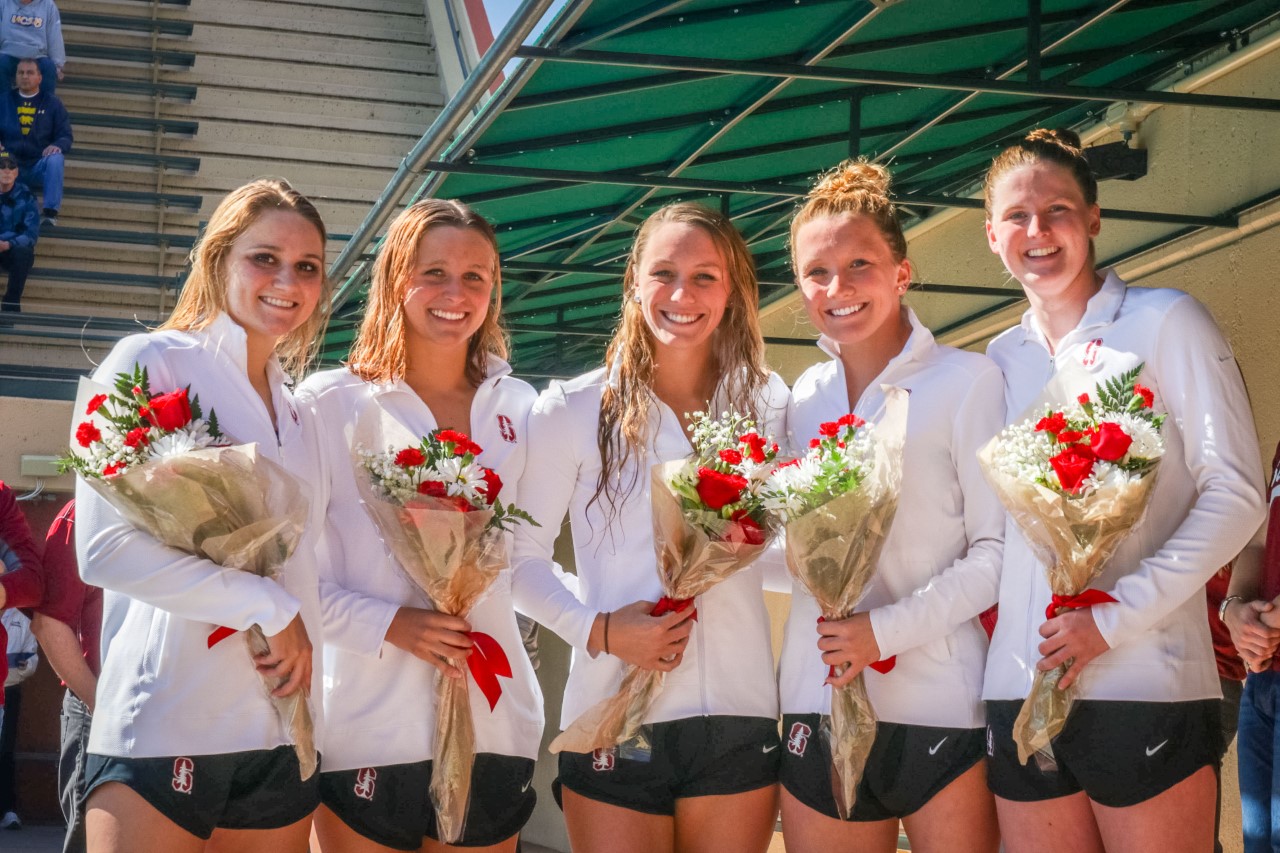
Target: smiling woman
(186, 745)
(688, 341)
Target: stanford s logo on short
(365, 779)
(798, 739)
(1090, 357)
(602, 760)
(184, 775)
(507, 429)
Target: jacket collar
(918, 346)
(1101, 310)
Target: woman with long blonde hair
(688, 341)
(186, 752)
(430, 354)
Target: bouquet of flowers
(708, 522)
(173, 474)
(838, 502)
(1076, 478)
(438, 512)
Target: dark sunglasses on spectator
(8, 164)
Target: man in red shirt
(68, 624)
(21, 584)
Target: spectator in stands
(34, 127)
(22, 662)
(19, 229)
(21, 581)
(32, 29)
(68, 624)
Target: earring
(635, 297)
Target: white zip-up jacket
(380, 701)
(163, 691)
(1205, 507)
(940, 564)
(728, 665)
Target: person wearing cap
(32, 29)
(35, 129)
(19, 229)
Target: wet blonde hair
(738, 347)
(1060, 147)
(378, 354)
(858, 187)
(204, 296)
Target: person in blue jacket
(19, 230)
(35, 129)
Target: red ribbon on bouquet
(219, 634)
(1088, 598)
(881, 666)
(487, 662)
(667, 604)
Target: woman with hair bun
(430, 354)
(1136, 760)
(689, 340)
(939, 566)
(186, 752)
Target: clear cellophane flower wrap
(453, 557)
(231, 506)
(1073, 540)
(832, 552)
(690, 561)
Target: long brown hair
(622, 430)
(378, 354)
(204, 295)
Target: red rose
(1109, 442)
(410, 457)
(113, 469)
(1073, 466)
(745, 529)
(432, 489)
(492, 485)
(1148, 396)
(828, 429)
(733, 457)
(136, 437)
(1055, 423)
(1083, 399)
(756, 445)
(1068, 436)
(850, 420)
(87, 434)
(95, 403)
(168, 411)
(717, 490)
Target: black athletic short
(695, 757)
(1119, 753)
(259, 789)
(391, 805)
(907, 766)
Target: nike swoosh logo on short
(526, 785)
(768, 749)
(937, 746)
(1152, 750)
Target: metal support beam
(778, 190)
(1033, 42)
(855, 126)
(895, 78)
